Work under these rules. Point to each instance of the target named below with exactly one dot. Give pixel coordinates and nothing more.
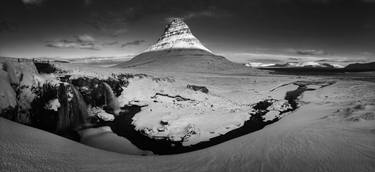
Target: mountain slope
(361, 67)
(186, 60)
(177, 35)
(179, 50)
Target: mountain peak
(177, 35)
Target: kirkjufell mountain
(179, 50)
(177, 35)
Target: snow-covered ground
(332, 130)
(317, 137)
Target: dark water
(123, 126)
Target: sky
(237, 29)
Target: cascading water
(111, 101)
(72, 114)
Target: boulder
(202, 89)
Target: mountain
(314, 67)
(177, 35)
(361, 67)
(179, 50)
(308, 65)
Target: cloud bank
(32, 2)
(132, 43)
(78, 42)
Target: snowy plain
(333, 130)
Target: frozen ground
(333, 130)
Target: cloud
(6, 26)
(111, 43)
(118, 32)
(113, 22)
(32, 2)
(310, 52)
(85, 38)
(136, 42)
(79, 42)
(110, 23)
(87, 2)
(191, 15)
(208, 13)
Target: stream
(123, 126)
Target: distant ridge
(178, 49)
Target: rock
(24, 78)
(45, 67)
(202, 89)
(8, 101)
(98, 92)
(100, 113)
(45, 106)
(271, 115)
(52, 105)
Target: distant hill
(321, 67)
(186, 60)
(358, 67)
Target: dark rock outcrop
(202, 89)
(42, 117)
(8, 101)
(101, 93)
(176, 97)
(21, 77)
(60, 106)
(45, 67)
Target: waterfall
(72, 112)
(111, 101)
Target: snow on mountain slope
(258, 64)
(315, 64)
(177, 35)
(295, 64)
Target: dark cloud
(79, 42)
(111, 43)
(300, 24)
(115, 15)
(136, 42)
(87, 2)
(110, 22)
(6, 26)
(310, 52)
(207, 13)
(32, 2)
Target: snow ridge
(177, 35)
